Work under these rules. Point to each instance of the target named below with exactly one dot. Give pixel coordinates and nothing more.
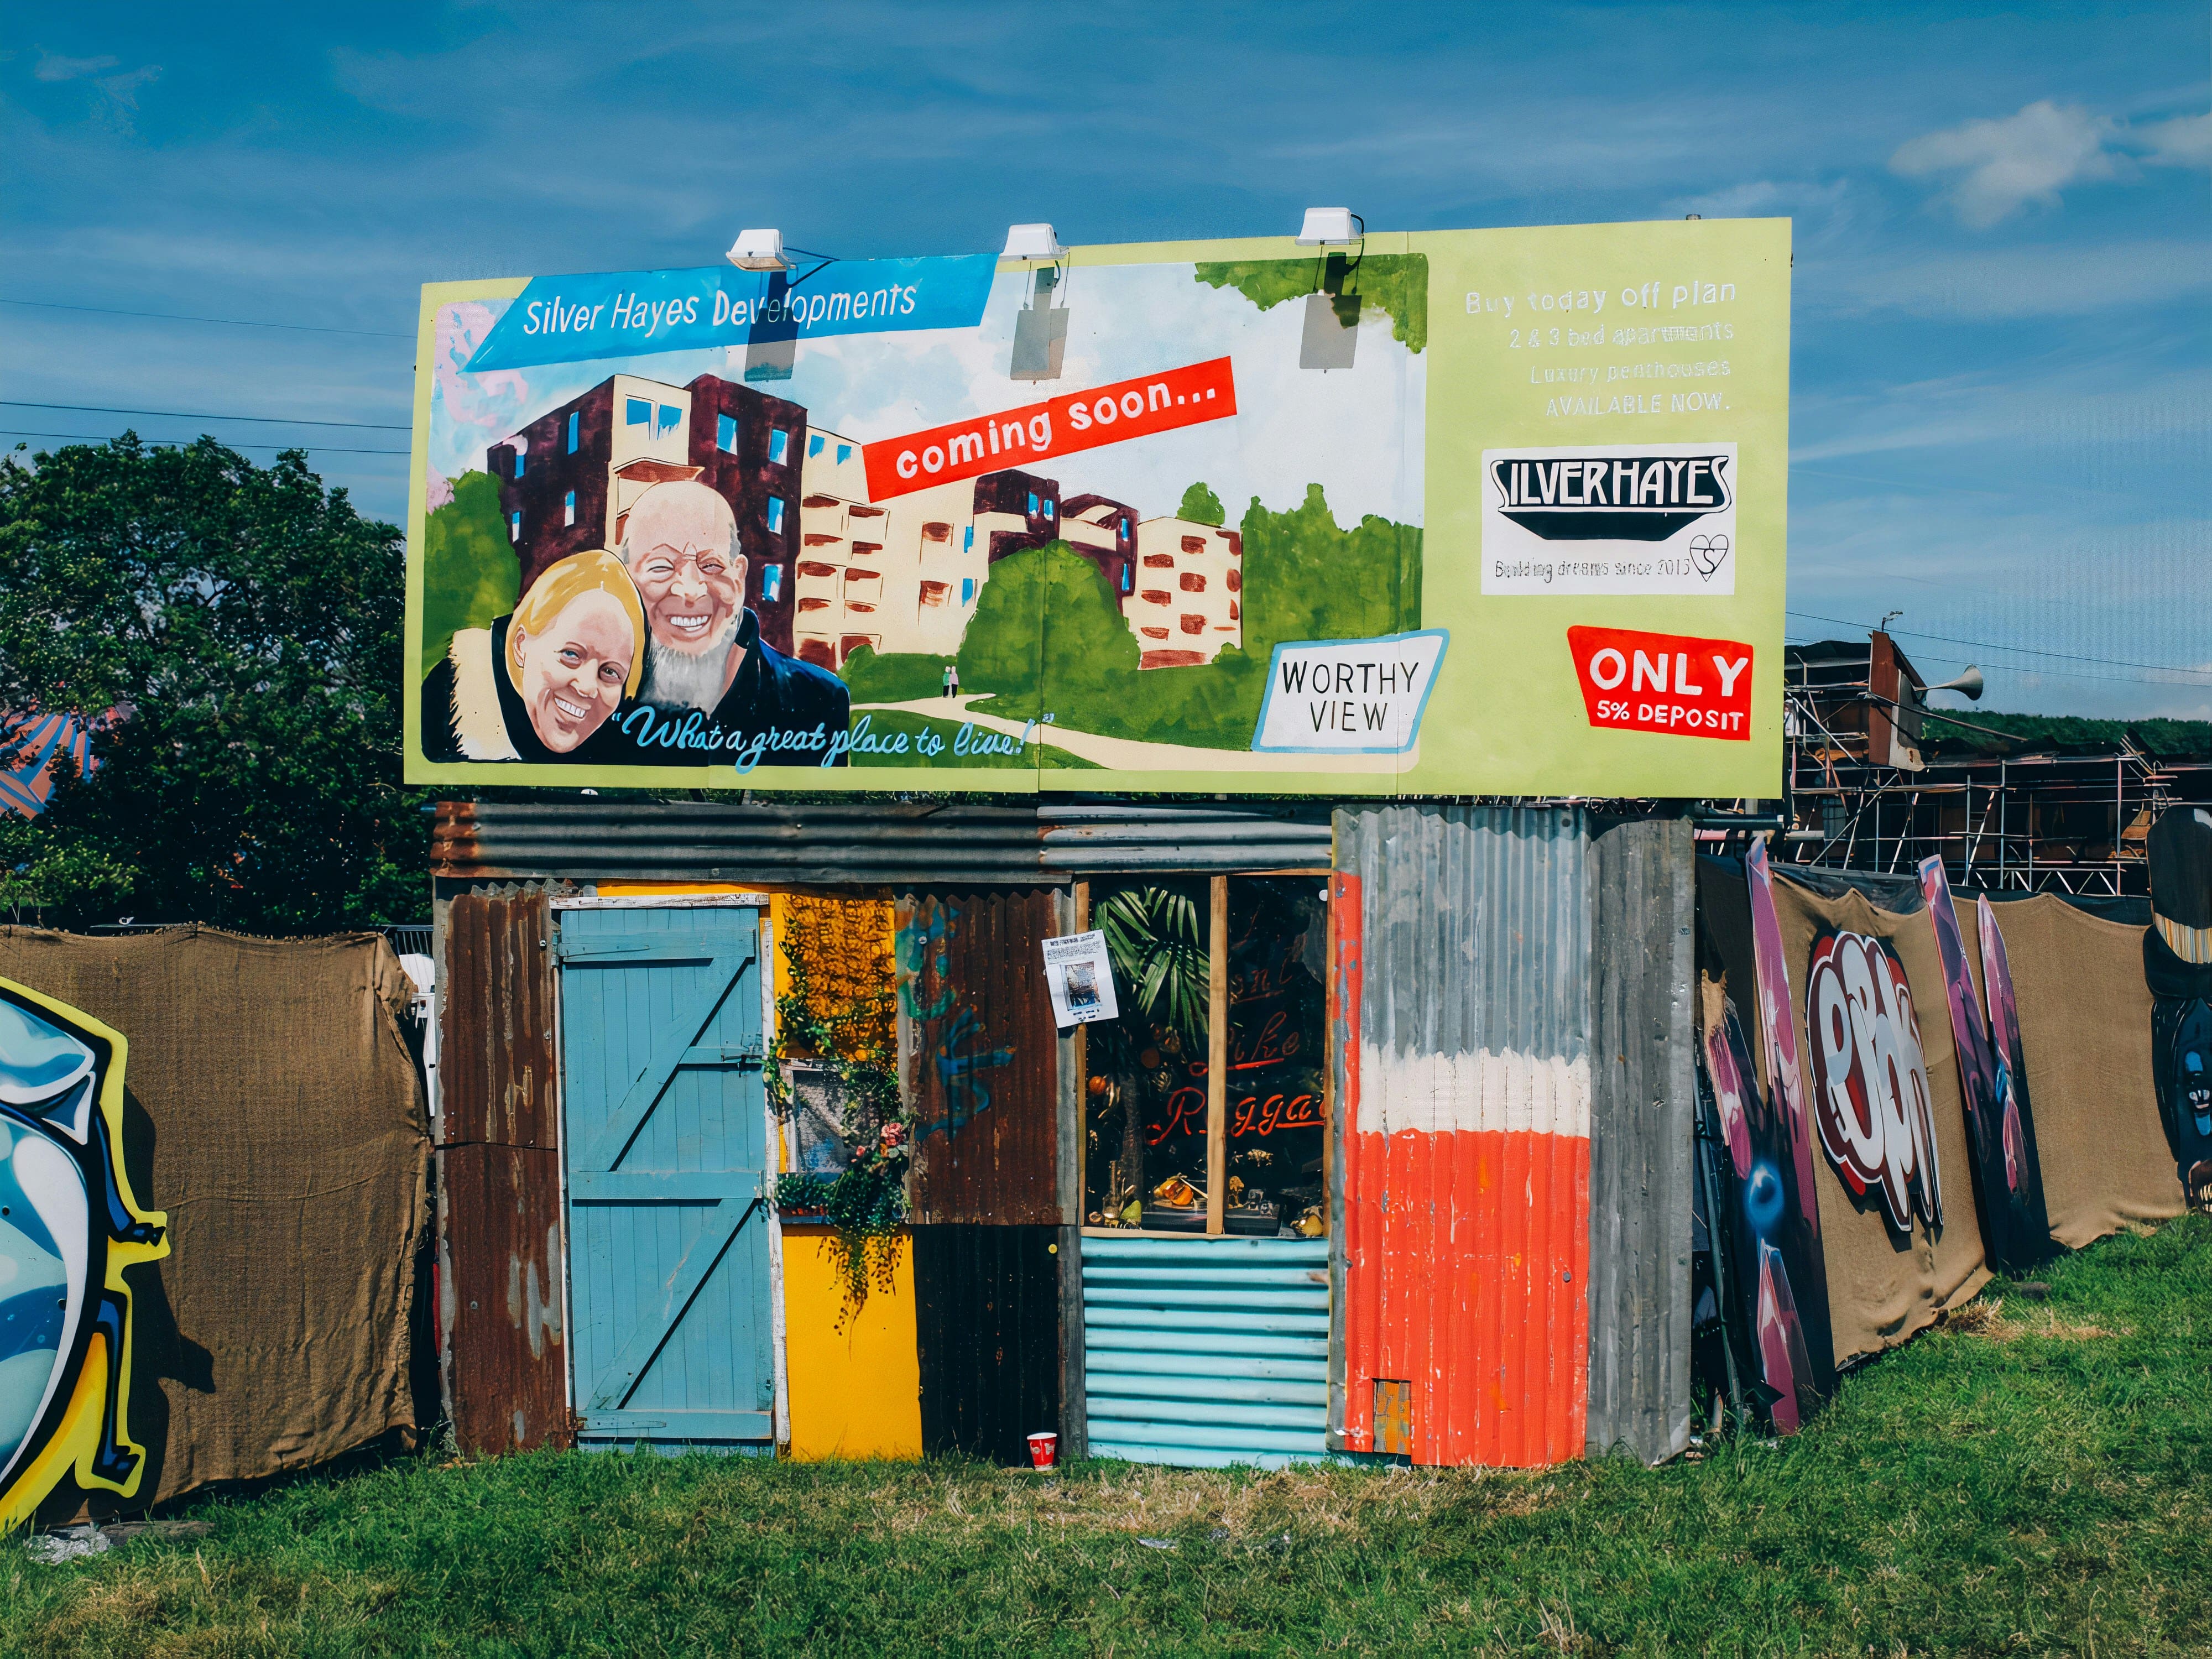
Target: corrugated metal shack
(1409, 1177)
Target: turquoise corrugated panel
(1205, 1352)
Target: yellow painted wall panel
(855, 1392)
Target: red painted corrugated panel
(1467, 1240)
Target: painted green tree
(1201, 506)
(1395, 283)
(470, 573)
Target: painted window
(519, 457)
(670, 417)
(844, 453)
(771, 583)
(569, 509)
(775, 515)
(779, 445)
(637, 411)
(725, 434)
(814, 445)
(1192, 582)
(1128, 576)
(1149, 1124)
(514, 526)
(967, 589)
(1033, 503)
(1048, 508)
(968, 539)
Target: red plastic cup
(1044, 1446)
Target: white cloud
(2184, 141)
(53, 67)
(1994, 168)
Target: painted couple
(664, 627)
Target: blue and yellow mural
(69, 1227)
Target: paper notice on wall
(1081, 978)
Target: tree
(1201, 506)
(236, 632)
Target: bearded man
(703, 649)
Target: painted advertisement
(1221, 516)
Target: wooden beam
(1217, 1060)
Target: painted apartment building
(903, 575)
(1188, 600)
(828, 571)
(568, 479)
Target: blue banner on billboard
(623, 313)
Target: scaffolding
(2024, 817)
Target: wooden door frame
(771, 1148)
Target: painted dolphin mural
(69, 1227)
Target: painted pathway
(1129, 754)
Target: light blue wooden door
(664, 1134)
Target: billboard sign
(1479, 511)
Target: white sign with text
(1350, 697)
(1081, 978)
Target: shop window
(725, 434)
(779, 445)
(1221, 976)
(572, 418)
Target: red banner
(1675, 682)
(1034, 434)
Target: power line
(2058, 673)
(184, 415)
(1992, 645)
(176, 443)
(227, 322)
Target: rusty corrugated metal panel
(495, 1019)
(979, 1056)
(499, 1271)
(1466, 1208)
(1105, 837)
(874, 842)
(987, 1326)
(1643, 1102)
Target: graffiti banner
(1219, 516)
(2007, 1176)
(2178, 966)
(71, 1227)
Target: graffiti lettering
(1870, 1094)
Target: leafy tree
(470, 572)
(244, 626)
(1201, 506)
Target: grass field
(2034, 1478)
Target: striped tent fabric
(30, 746)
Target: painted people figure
(539, 685)
(703, 649)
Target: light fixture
(1331, 227)
(758, 250)
(1032, 242)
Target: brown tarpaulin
(1882, 1287)
(2085, 1031)
(273, 1110)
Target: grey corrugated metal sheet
(1204, 1352)
(1465, 1212)
(1643, 878)
(1104, 838)
(876, 842)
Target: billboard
(1451, 513)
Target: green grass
(2035, 1478)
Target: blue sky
(2001, 417)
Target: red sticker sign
(1671, 683)
(1036, 433)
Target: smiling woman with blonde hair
(538, 684)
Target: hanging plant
(836, 1008)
